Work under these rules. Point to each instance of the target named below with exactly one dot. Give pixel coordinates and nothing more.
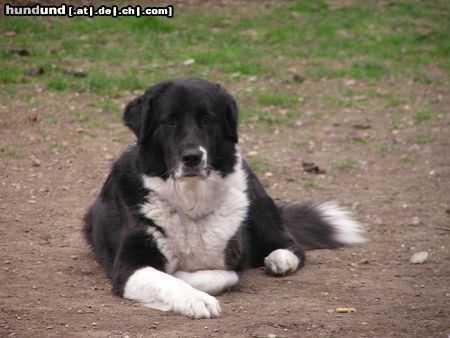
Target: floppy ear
(138, 113)
(231, 118)
(132, 115)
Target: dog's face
(185, 129)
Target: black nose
(191, 157)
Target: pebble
(415, 220)
(419, 257)
(345, 309)
(189, 62)
(35, 162)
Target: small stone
(21, 52)
(10, 34)
(32, 116)
(109, 157)
(35, 162)
(75, 73)
(311, 167)
(189, 62)
(39, 71)
(345, 309)
(419, 257)
(415, 220)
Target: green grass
(369, 41)
(273, 99)
(258, 164)
(424, 139)
(348, 164)
(91, 120)
(310, 183)
(60, 146)
(423, 115)
(7, 152)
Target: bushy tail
(322, 226)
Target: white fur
(158, 290)
(204, 156)
(198, 217)
(348, 231)
(281, 262)
(213, 282)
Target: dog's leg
(138, 275)
(272, 245)
(158, 290)
(213, 282)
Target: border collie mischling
(181, 215)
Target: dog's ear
(138, 113)
(231, 118)
(133, 114)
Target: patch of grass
(258, 164)
(348, 164)
(384, 149)
(393, 101)
(50, 119)
(367, 40)
(111, 108)
(310, 183)
(405, 160)
(423, 115)
(58, 83)
(359, 141)
(10, 75)
(334, 103)
(248, 113)
(91, 121)
(60, 146)
(272, 99)
(9, 153)
(424, 139)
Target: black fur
(167, 119)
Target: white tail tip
(347, 230)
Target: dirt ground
(51, 286)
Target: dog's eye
(170, 122)
(206, 120)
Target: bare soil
(51, 171)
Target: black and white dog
(181, 215)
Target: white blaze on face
(204, 157)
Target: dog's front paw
(197, 304)
(281, 262)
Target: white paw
(197, 304)
(158, 290)
(281, 262)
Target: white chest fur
(198, 217)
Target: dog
(181, 216)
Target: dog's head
(184, 129)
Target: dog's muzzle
(193, 164)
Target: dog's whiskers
(168, 172)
